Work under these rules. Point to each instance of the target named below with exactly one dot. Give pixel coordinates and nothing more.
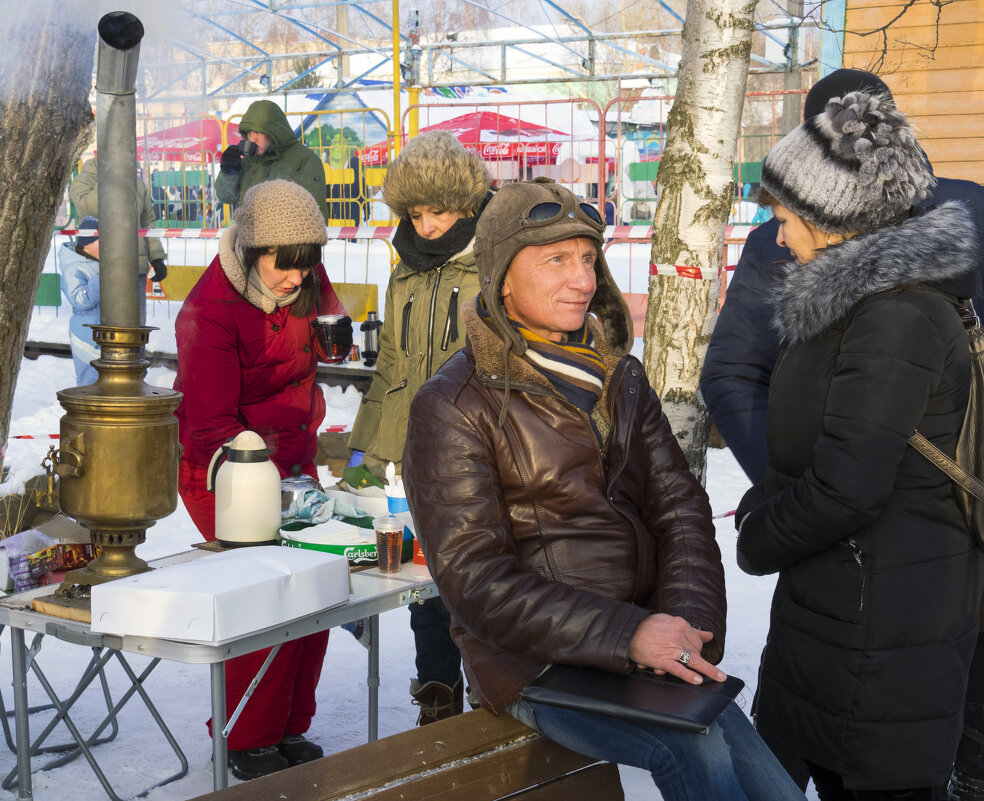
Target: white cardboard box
(223, 595)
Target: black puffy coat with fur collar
(875, 613)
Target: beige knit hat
(279, 212)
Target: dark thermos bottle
(370, 338)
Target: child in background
(80, 284)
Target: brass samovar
(118, 456)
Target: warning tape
(736, 233)
(726, 514)
(633, 232)
(343, 232)
(682, 271)
(335, 429)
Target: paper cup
(396, 503)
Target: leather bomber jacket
(545, 546)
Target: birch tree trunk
(696, 188)
(45, 77)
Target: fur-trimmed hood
(237, 275)
(931, 248)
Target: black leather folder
(642, 696)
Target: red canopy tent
(492, 137)
(189, 142)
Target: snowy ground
(182, 692)
(140, 756)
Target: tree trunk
(44, 121)
(696, 188)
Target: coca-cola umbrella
(492, 137)
(193, 141)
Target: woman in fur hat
(437, 189)
(247, 356)
(875, 613)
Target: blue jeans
(729, 763)
(438, 658)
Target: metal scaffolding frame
(210, 56)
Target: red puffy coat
(244, 363)
(243, 367)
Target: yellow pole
(396, 78)
(414, 121)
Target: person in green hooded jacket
(273, 152)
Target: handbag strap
(969, 482)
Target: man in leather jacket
(556, 510)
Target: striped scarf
(573, 366)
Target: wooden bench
(471, 757)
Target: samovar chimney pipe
(116, 124)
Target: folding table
(372, 593)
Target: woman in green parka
(278, 154)
(437, 189)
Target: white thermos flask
(247, 492)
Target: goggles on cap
(548, 212)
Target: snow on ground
(140, 755)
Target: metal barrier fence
(609, 156)
(357, 259)
(523, 140)
(636, 127)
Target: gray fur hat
(854, 168)
(505, 228)
(434, 170)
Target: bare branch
(878, 60)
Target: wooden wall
(941, 90)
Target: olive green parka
(422, 329)
(84, 194)
(287, 157)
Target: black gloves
(344, 334)
(232, 160)
(160, 270)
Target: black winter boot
(296, 748)
(967, 782)
(252, 763)
(437, 701)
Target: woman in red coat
(247, 357)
